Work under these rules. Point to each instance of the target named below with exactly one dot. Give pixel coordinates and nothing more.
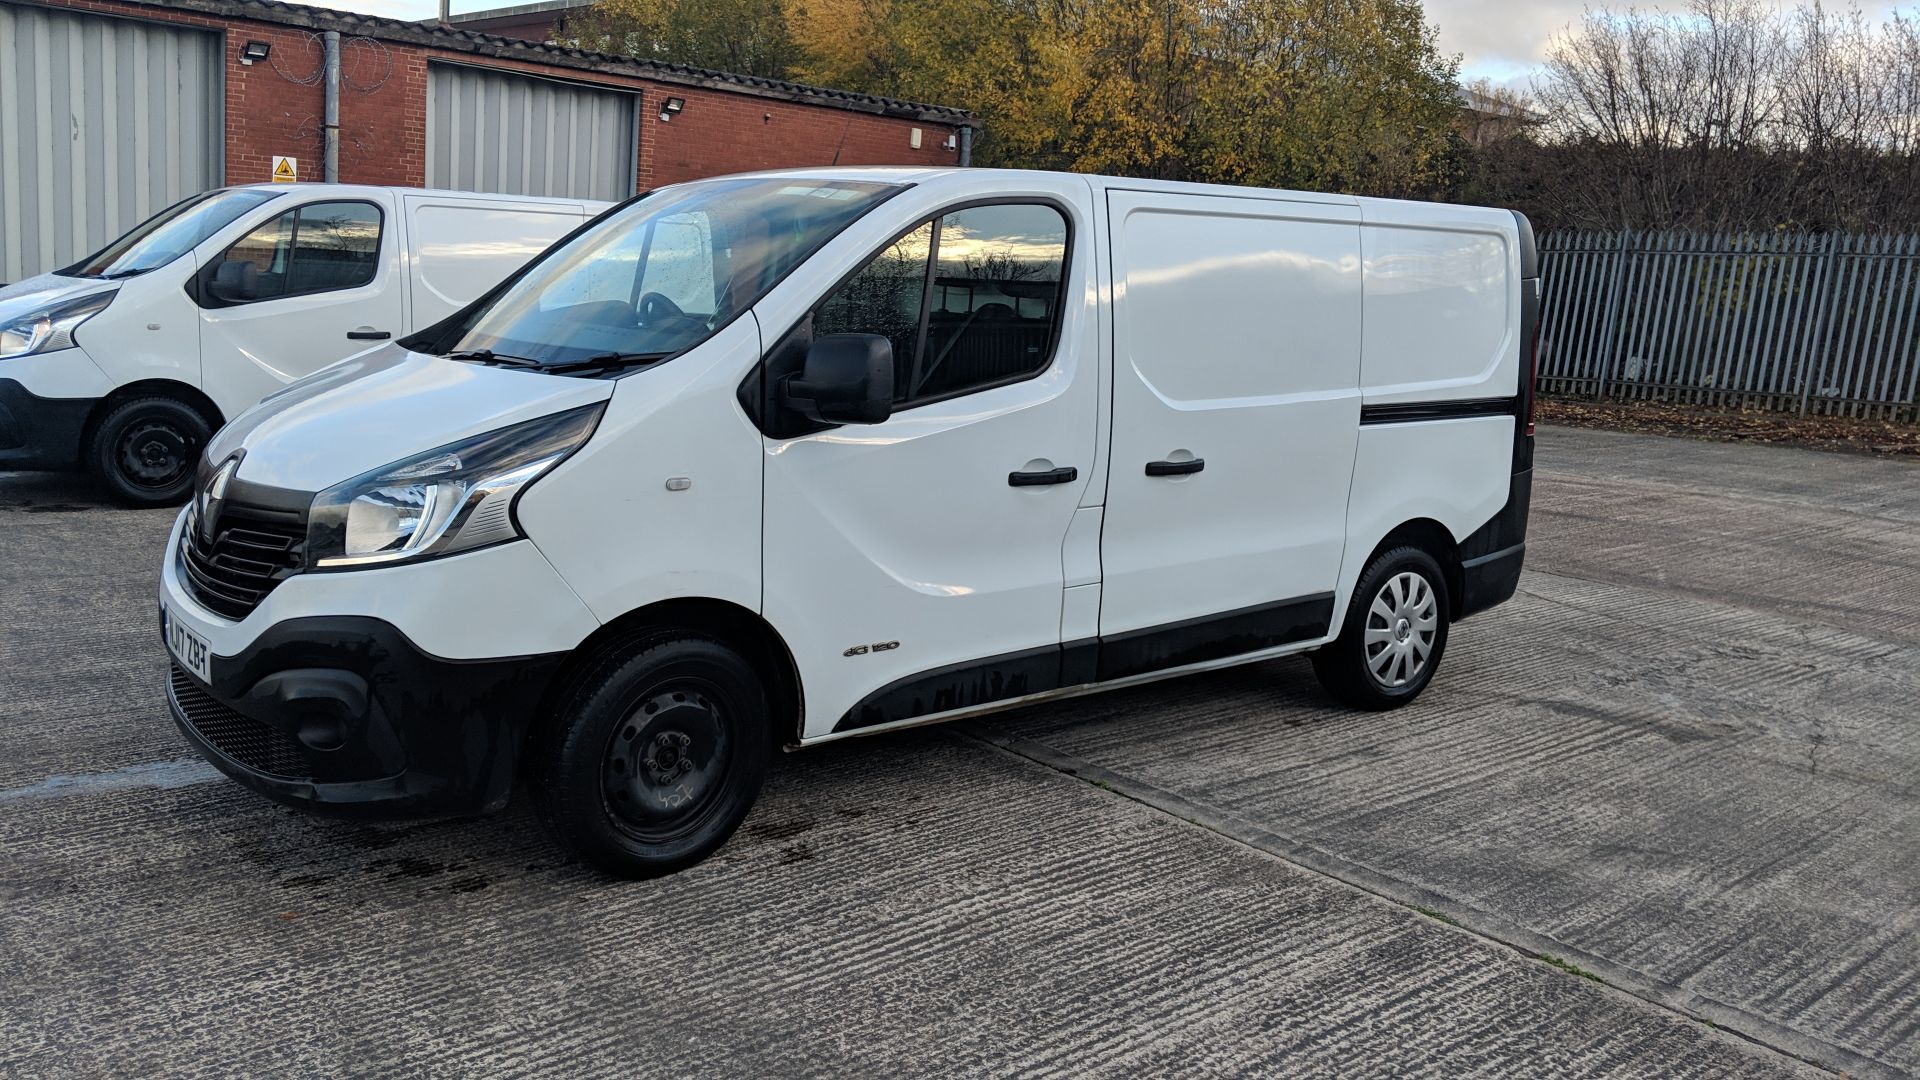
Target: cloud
(1506, 41)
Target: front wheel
(1394, 634)
(145, 450)
(654, 756)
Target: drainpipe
(330, 124)
(966, 145)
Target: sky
(1501, 40)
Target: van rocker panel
(1094, 660)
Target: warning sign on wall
(286, 170)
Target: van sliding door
(1236, 407)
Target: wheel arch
(1433, 538)
(192, 396)
(740, 628)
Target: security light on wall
(671, 108)
(254, 50)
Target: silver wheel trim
(1403, 622)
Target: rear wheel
(654, 756)
(145, 450)
(1394, 634)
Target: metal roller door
(488, 131)
(103, 122)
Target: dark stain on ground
(469, 883)
(405, 867)
(782, 830)
(1677, 733)
(795, 853)
(50, 508)
(851, 811)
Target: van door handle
(367, 333)
(1065, 475)
(1175, 468)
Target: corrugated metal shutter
(103, 122)
(488, 131)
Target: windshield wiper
(608, 360)
(488, 356)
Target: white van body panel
(151, 331)
(1236, 345)
(374, 410)
(64, 373)
(457, 245)
(605, 517)
(1442, 302)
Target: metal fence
(1824, 324)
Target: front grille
(245, 740)
(248, 557)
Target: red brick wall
(275, 107)
(723, 133)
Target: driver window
(986, 318)
(317, 248)
(884, 298)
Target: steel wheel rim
(665, 768)
(155, 454)
(1403, 623)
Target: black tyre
(145, 450)
(1394, 634)
(653, 757)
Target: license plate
(189, 648)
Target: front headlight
(455, 498)
(52, 328)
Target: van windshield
(169, 234)
(659, 276)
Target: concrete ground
(1682, 764)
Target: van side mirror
(235, 282)
(847, 379)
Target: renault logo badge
(212, 497)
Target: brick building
(113, 109)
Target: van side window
(996, 290)
(885, 298)
(986, 317)
(321, 247)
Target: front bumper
(345, 715)
(40, 432)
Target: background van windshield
(168, 234)
(666, 272)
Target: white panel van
(785, 458)
(127, 361)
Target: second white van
(780, 459)
(126, 362)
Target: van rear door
(1236, 406)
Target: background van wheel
(146, 450)
(1394, 634)
(653, 757)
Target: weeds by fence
(1813, 324)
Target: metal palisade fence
(1795, 322)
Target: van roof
(1371, 206)
(448, 193)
